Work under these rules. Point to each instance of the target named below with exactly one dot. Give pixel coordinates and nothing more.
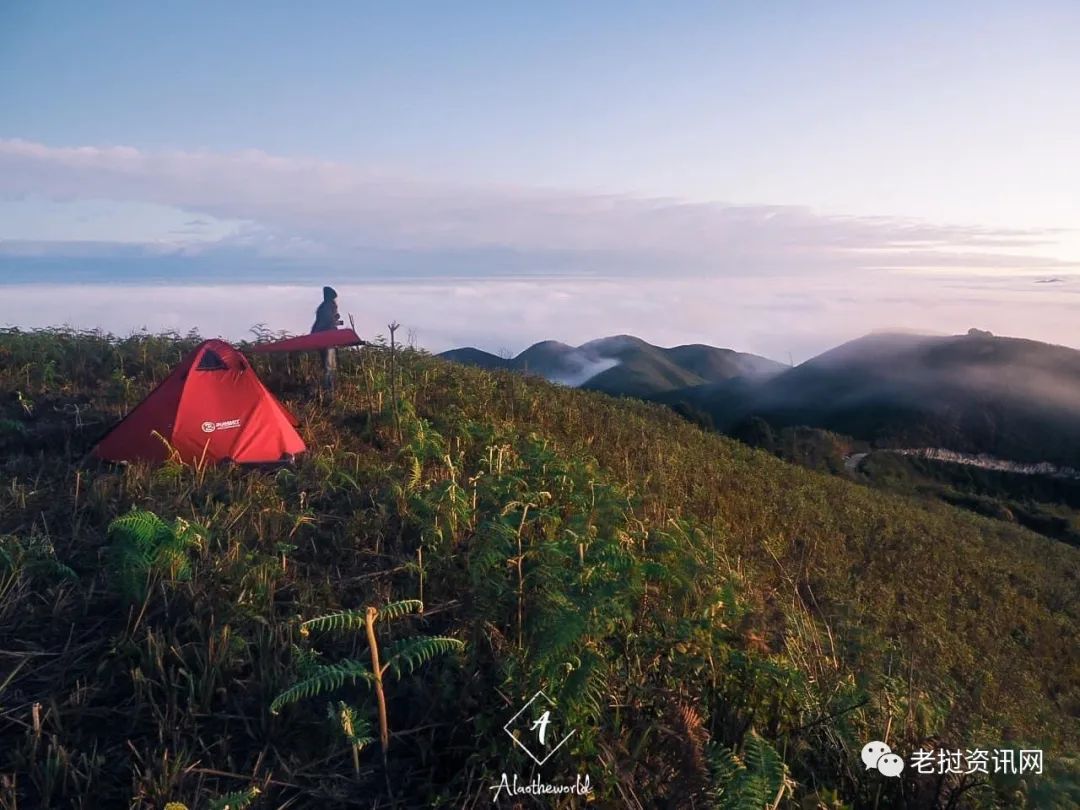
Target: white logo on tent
(230, 424)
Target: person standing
(327, 319)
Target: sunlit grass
(691, 604)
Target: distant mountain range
(1013, 398)
(625, 365)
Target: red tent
(330, 339)
(213, 407)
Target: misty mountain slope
(1014, 398)
(713, 364)
(625, 365)
(549, 358)
(476, 357)
(641, 368)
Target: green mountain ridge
(624, 365)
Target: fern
(357, 619)
(306, 660)
(559, 633)
(416, 472)
(144, 548)
(141, 525)
(50, 568)
(764, 762)
(35, 556)
(751, 781)
(324, 678)
(586, 684)
(355, 728)
(413, 652)
(401, 657)
(724, 767)
(237, 800)
(397, 609)
(345, 620)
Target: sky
(770, 177)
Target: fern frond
(171, 557)
(139, 527)
(36, 557)
(406, 655)
(144, 548)
(237, 800)
(354, 727)
(395, 610)
(49, 568)
(305, 660)
(416, 473)
(130, 567)
(586, 684)
(188, 534)
(724, 768)
(558, 634)
(752, 780)
(764, 761)
(345, 620)
(324, 678)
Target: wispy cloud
(244, 235)
(342, 216)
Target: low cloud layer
(506, 316)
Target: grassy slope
(664, 567)
(1044, 504)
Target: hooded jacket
(327, 317)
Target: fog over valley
(508, 315)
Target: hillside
(1047, 504)
(710, 621)
(624, 365)
(1012, 398)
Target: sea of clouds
(507, 315)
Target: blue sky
(902, 149)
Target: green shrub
(145, 550)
